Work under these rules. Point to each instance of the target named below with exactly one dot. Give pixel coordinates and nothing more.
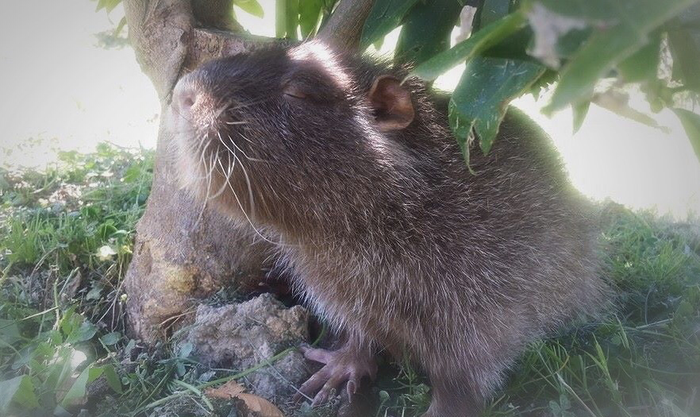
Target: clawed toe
(317, 355)
(340, 367)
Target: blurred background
(68, 83)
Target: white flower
(105, 253)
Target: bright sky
(59, 86)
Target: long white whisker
(248, 140)
(239, 149)
(240, 205)
(247, 180)
(244, 154)
(202, 161)
(206, 197)
(245, 172)
(203, 142)
(232, 143)
(244, 105)
(223, 186)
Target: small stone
(241, 336)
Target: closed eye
(293, 92)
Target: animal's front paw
(340, 366)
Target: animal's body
(360, 184)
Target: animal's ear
(392, 104)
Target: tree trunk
(184, 251)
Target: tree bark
(344, 27)
(182, 250)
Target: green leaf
(185, 349)
(492, 10)
(111, 4)
(591, 10)
(251, 7)
(483, 95)
(9, 331)
(111, 338)
(85, 332)
(106, 230)
(469, 48)
(70, 322)
(120, 26)
(632, 23)
(95, 292)
(61, 370)
(691, 124)
(19, 390)
(426, 30)
(132, 174)
(108, 5)
(580, 111)
(292, 18)
(112, 378)
(684, 43)
(281, 18)
(643, 64)
(75, 328)
(383, 18)
(309, 12)
(79, 387)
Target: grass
(66, 236)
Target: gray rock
(241, 336)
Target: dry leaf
(258, 405)
(228, 390)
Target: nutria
(357, 180)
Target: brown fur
(388, 235)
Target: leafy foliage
(60, 287)
(582, 43)
(691, 123)
(384, 16)
(251, 6)
(421, 36)
(477, 102)
(648, 43)
(477, 44)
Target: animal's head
(253, 129)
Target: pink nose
(184, 97)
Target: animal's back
(523, 258)
(549, 230)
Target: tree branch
(159, 32)
(209, 44)
(216, 14)
(344, 27)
